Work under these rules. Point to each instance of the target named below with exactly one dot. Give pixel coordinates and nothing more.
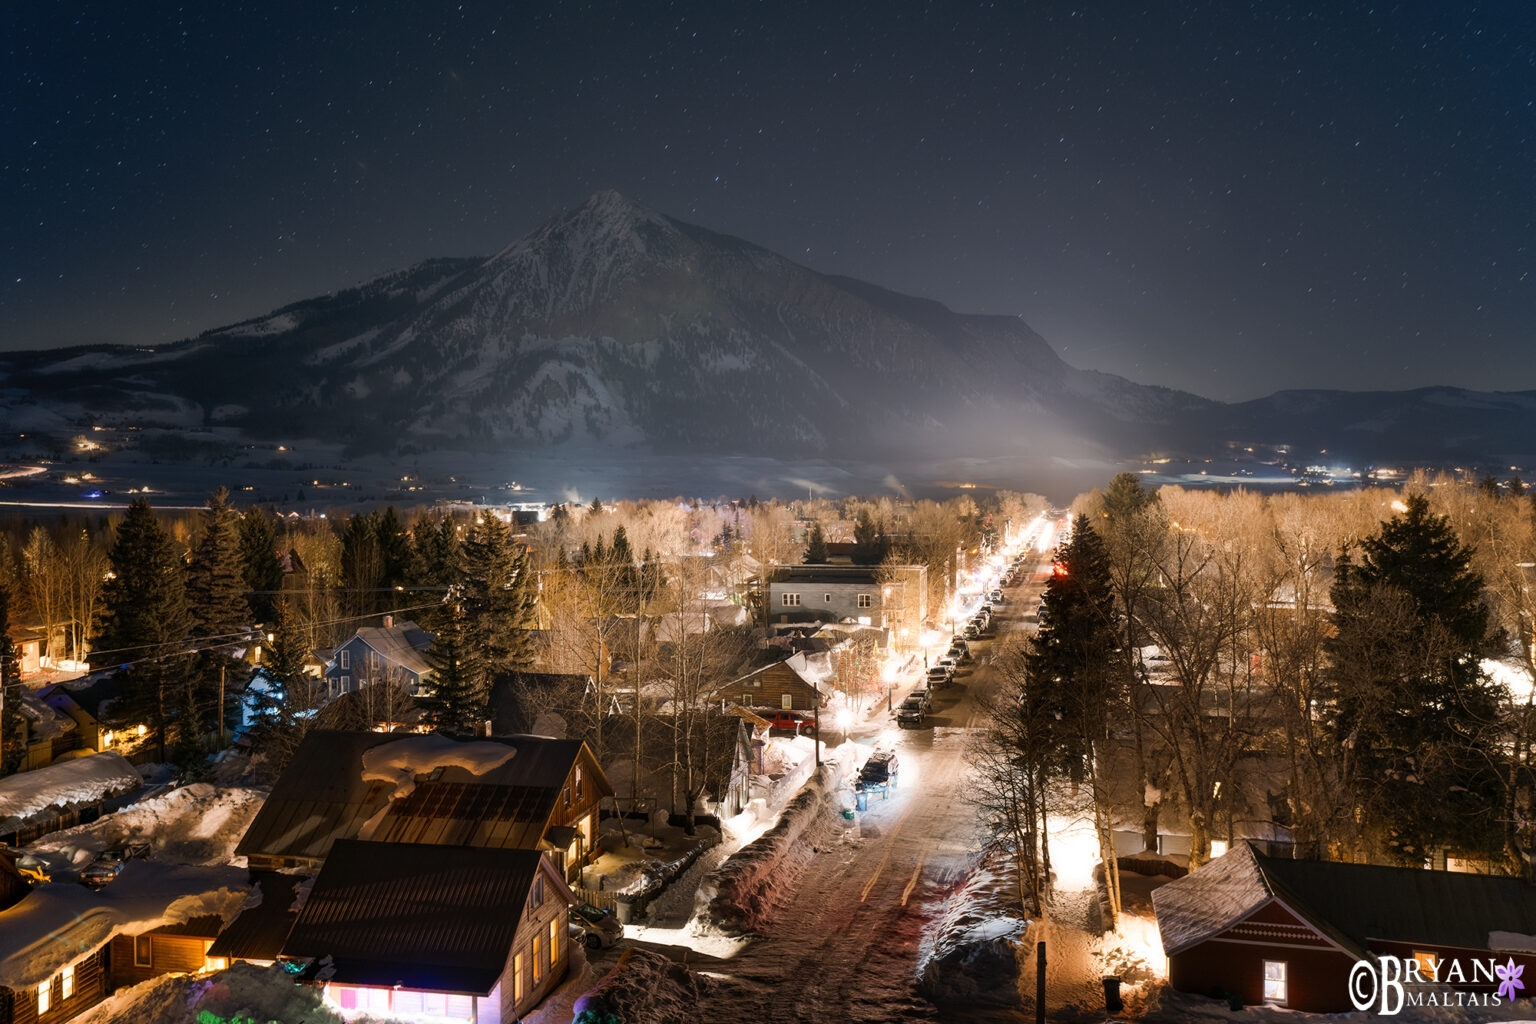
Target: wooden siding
(1317, 971)
(20, 1007)
(169, 954)
(775, 680)
(535, 924)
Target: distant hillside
(615, 326)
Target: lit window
(44, 994)
(787, 701)
(344, 658)
(538, 964)
(1428, 964)
(517, 978)
(67, 977)
(1218, 848)
(866, 600)
(554, 943)
(143, 950)
(538, 891)
(1275, 981)
(791, 600)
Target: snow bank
(243, 992)
(83, 780)
(196, 824)
(400, 761)
(646, 988)
(59, 921)
(974, 953)
(737, 897)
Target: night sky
(1230, 199)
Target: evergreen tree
(456, 692)
(871, 546)
(283, 717)
(624, 579)
(13, 729)
(652, 578)
(394, 549)
(146, 622)
(436, 541)
(1073, 661)
(1489, 485)
(216, 579)
(362, 564)
(1125, 497)
(259, 559)
(816, 546)
(1412, 708)
(498, 598)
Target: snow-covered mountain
(614, 325)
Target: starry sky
(1230, 198)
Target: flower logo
(1509, 978)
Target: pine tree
(216, 579)
(1412, 708)
(498, 597)
(1125, 497)
(624, 579)
(146, 622)
(456, 691)
(1073, 661)
(362, 564)
(816, 546)
(868, 542)
(258, 556)
(394, 549)
(282, 718)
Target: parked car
(879, 772)
(972, 631)
(923, 694)
(937, 676)
(996, 597)
(950, 662)
(105, 868)
(911, 712)
(781, 720)
(960, 649)
(599, 928)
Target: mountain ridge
(614, 325)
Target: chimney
(389, 621)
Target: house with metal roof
(447, 933)
(502, 792)
(798, 683)
(1290, 932)
(391, 653)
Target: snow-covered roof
(59, 922)
(404, 644)
(82, 780)
(1210, 899)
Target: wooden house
(1289, 932)
(180, 948)
(790, 685)
(448, 933)
(505, 792)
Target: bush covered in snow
(645, 988)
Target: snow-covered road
(846, 945)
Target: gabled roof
(1349, 903)
(433, 918)
(404, 644)
(76, 782)
(497, 792)
(800, 664)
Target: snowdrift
(737, 897)
(645, 988)
(243, 992)
(974, 955)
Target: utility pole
(1039, 983)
